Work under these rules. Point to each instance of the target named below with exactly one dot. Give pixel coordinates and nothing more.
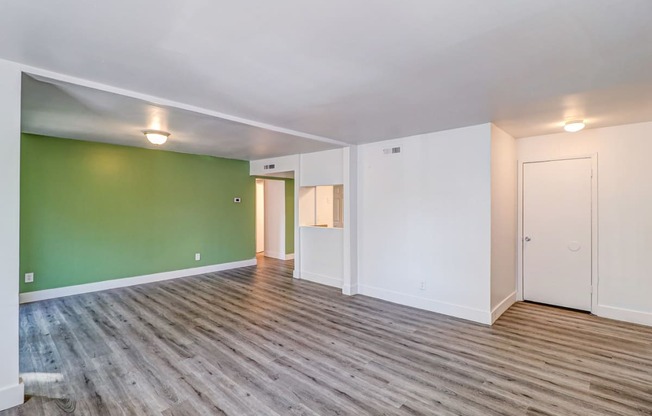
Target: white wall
(307, 206)
(624, 210)
(321, 249)
(350, 230)
(275, 219)
(322, 168)
(281, 164)
(425, 216)
(11, 392)
(503, 221)
(260, 215)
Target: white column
(11, 390)
(350, 258)
(297, 231)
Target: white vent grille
(391, 150)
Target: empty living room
(425, 207)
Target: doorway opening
(275, 216)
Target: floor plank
(254, 341)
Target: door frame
(260, 203)
(594, 222)
(282, 255)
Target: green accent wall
(289, 216)
(92, 212)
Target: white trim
(130, 281)
(519, 230)
(502, 307)
(350, 290)
(321, 279)
(277, 255)
(622, 314)
(594, 224)
(459, 311)
(297, 233)
(274, 254)
(12, 396)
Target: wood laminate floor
(253, 341)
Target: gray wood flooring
(253, 341)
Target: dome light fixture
(574, 126)
(157, 137)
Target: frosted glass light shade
(156, 137)
(574, 126)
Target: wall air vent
(391, 150)
(266, 167)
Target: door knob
(527, 239)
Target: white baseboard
(321, 279)
(458, 311)
(503, 306)
(350, 290)
(130, 281)
(274, 254)
(12, 396)
(622, 314)
(277, 255)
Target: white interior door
(557, 232)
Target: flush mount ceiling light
(574, 126)
(156, 136)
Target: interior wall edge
(130, 281)
(502, 307)
(504, 235)
(10, 102)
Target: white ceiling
(356, 71)
(60, 109)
